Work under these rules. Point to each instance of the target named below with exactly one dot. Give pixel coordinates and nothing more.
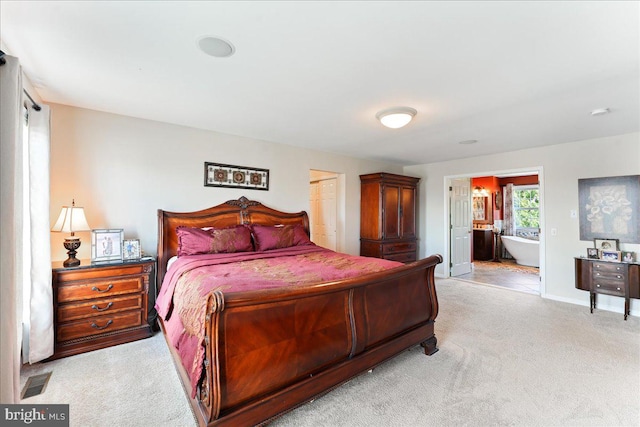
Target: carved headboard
(227, 214)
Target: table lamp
(71, 219)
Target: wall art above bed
(230, 176)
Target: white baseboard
(616, 306)
(604, 302)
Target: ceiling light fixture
(396, 117)
(600, 111)
(215, 46)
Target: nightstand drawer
(94, 308)
(99, 289)
(98, 325)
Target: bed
(267, 351)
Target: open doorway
(506, 213)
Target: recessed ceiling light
(215, 46)
(600, 111)
(468, 141)
(396, 117)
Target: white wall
(123, 169)
(562, 166)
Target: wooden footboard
(269, 352)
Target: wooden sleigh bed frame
(270, 351)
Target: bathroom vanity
(482, 244)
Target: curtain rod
(34, 104)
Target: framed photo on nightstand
(131, 249)
(106, 245)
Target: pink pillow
(195, 241)
(278, 237)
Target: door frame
(517, 171)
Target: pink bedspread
(183, 297)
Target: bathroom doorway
(491, 263)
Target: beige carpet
(506, 358)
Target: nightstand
(100, 305)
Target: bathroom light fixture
(396, 117)
(600, 111)
(480, 191)
(215, 46)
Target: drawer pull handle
(95, 288)
(108, 306)
(619, 277)
(597, 286)
(618, 288)
(94, 326)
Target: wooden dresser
(100, 305)
(388, 212)
(620, 279)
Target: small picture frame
(628, 256)
(131, 249)
(606, 244)
(106, 245)
(593, 253)
(610, 255)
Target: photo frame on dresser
(606, 244)
(106, 245)
(593, 253)
(610, 255)
(131, 249)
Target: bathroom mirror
(482, 210)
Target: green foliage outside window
(526, 206)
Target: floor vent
(35, 385)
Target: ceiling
(510, 75)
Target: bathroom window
(526, 206)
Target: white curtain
(508, 224)
(10, 213)
(39, 307)
(26, 300)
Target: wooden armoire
(388, 213)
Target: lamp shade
(396, 117)
(71, 219)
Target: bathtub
(525, 251)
